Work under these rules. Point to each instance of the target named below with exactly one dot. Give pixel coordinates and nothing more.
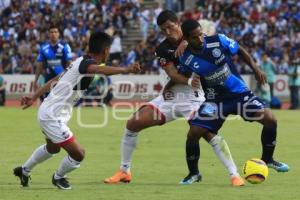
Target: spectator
(268, 67)
(132, 56)
(144, 16)
(116, 48)
(294, 80)
(2, 91)
(157, 10)
(4, 4)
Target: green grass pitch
(158, 163)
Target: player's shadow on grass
(168, 184)
(200, 184)
(13, 186)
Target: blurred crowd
(262, 26)
(24, 26)
(269, 29)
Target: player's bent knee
(78, 155)
(130, 124)
(134, 125)
(270, 120)
(53, 149)
(81, 154)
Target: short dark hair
(165, 16)
(99, 41)
(189, 25)
(52, 26)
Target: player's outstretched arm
(259, 74)
(27, 101)
(179, 78)
(96, 69)
(38, 72)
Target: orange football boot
(119, 176)
(237, 181)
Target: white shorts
(169, 110)
(55, 130)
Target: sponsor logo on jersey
(54, 62)
(218, 77)
(188, 60)
(212, 45)
(58, 54)
(219, 60)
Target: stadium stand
(262, 26)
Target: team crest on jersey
(216, 53)
(59, 50)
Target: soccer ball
(255, 171)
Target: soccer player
(55, 111)
(226, 92)
(182, 99)
(54, 56)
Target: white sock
(222, 151)
(129, 141)
(38, 156)
(67, 165)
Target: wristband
(190, 81)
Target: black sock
(268, 140)
(192, 150)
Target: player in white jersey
(178, 100)
(56, 110)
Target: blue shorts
(212, 114)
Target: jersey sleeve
(41, 56)
(67, 52)
(84, 64)
(183, 69)
(229, 44)
(164, 56)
